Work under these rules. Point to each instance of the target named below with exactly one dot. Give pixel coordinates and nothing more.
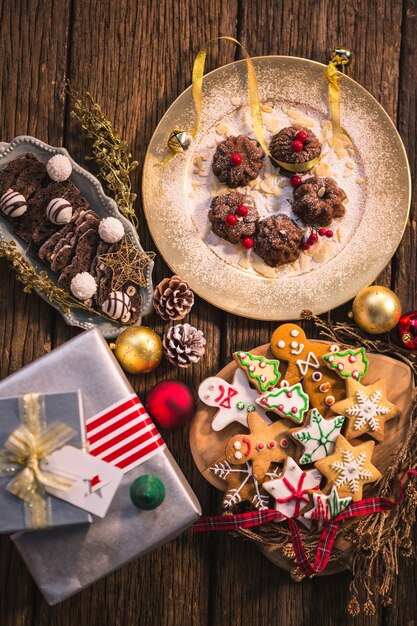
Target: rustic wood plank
(33, 53)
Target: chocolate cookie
(238, 160)
(10, 173)
(317, 201)
(81, 261)
(233, 216)
(287, 148)
(278, 240)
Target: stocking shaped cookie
(265, 444)
(234, 400)
(305, 360)
(349, 468)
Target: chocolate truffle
(317, 201)
(238, 160)
(233, 216)
(282, 148)
(278, 240)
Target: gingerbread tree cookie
(318, 437)
(290, 490)
(305, 361)
(262, 372)
(366, 409)
(265, 444)
(242, 486)
(289, 402)
(348, 363)
(326, 507)
(349, 468)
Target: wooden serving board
(208, 446)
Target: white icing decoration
(350, 470)
(237, 445)
(326, 508)
(238, 455)
(367, 409)
(312, 361)
(319, 437)
(299, 349)
(277, 396)
(281, 343)
(294, 333)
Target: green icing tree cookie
(348, 363)
(263, 373)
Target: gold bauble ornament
(179, 140)
(138, 350)
(376, 309)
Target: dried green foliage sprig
(27, 275)
(109, 151)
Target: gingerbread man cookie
(349, 468)
(265, 444)
(366, 409)
(234, 401)
(262, 372)
(305, 362)
(289, 402)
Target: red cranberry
(297, 145)
(301, 135)
(295, 181)
(235, 159)
(306, 245)
(242, 210)
(231, 220)
(329, 234)
(247, 243)
(322, 232)
(313, 237)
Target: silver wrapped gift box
(65, 561)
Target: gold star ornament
(128, 263)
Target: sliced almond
(347, 173)
(273, 125)
(341, 234)
(360, 181)
(266, 108)
(244, 261)
(350, 163)
(222, 129)
(321, 192)
(305, 262)
(235, 101)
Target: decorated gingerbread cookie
(242, 486)
(366, 409)
(234, 401)
(349, 468)
(265, 444)
(262, 372)
(305, 360)
(325, 507)
(318, 437)
(348, 363)
(290, 491)
(289, 402)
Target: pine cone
(173, 298)
(183, 345)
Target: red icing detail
(262, 364)
(247, 243)
(247, 441)
(260, 446)
(272, 444)
(264, 401)
(297, 145)
(297, 493)
(289, 394)
(340, 366)
(301, 135)
(226, 402)
(281, 407)
(352, 358)
(242, 210)
(355, 374)
(235, 159)
(283, 443)
(231, 220)
(294, 410)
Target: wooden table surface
(135, 56)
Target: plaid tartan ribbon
(368, 506)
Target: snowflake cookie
(348, 363)
(242, 486)
(234, 401)
(349, 468)
(366, 409)
(318, 437)
(289, 402)
(262, 372)
(265, 444)
(290, 490)
(326, 507)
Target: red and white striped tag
(123, 435)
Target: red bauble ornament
(170, 403)
(247, 243)
(301, 135)
(295, 181)
(235, 159)
(242, 210)
(407, 328)
(297, 145)
(231, 220)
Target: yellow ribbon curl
(332, 76)
(31, 442)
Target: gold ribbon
(332, 76)
(31, 442)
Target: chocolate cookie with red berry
(278, 240)
(234, 217)
(238, 160)
(294, 150)
(317, 201)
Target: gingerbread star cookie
(348, 363)
(290, 490)
(265, 444)
(305, 362)
(289, 402)
(234, 400)
(366, 409)
(242, 486)
(325, 507)
(262, 372)
(318, 437)
(349, 468)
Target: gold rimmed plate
(374, 174)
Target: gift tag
(96, 482)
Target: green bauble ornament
(147, 492)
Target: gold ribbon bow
(31, 442)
